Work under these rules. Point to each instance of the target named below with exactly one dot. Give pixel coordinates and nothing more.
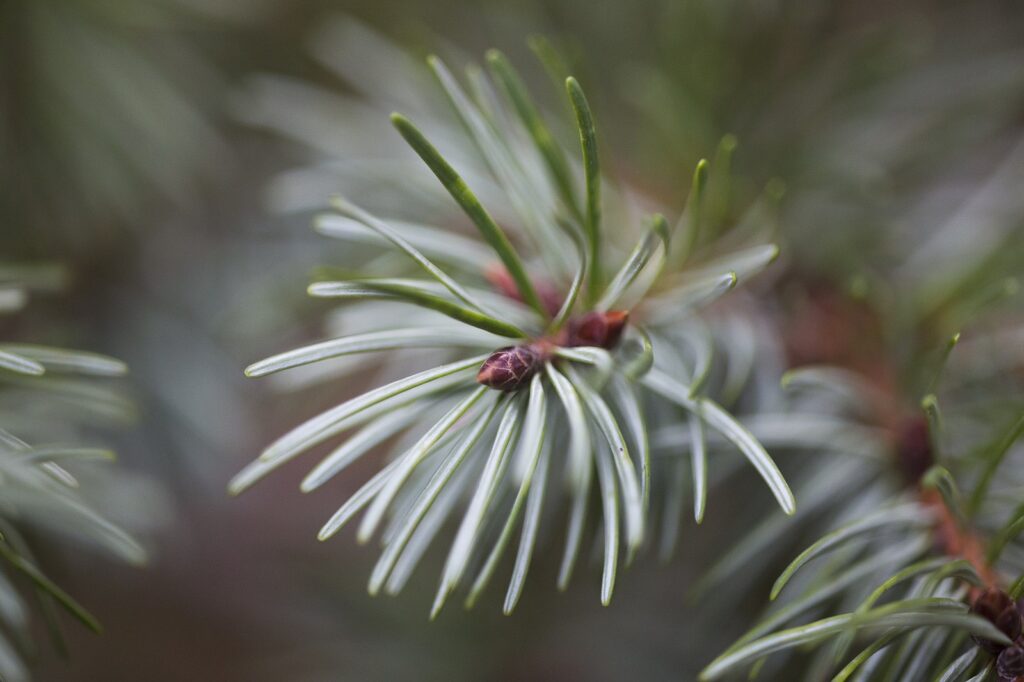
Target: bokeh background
(150, 148)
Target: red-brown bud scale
(509, 368)
(598, 329)
(1010, 664)
(501, 280)
(995, 606)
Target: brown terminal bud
(914, 448)
(1010, 663)
(995, 606)
(1009, 623)
(501, 280)
(509, 368)
(598, 329)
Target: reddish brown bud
(549, 295)
(914, 449)
(995, 606)
(598, 329)
(1010, 663)
(510, 368)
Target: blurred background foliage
(130, 156)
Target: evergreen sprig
(919, 546)
(586, 364)
(38, 489)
